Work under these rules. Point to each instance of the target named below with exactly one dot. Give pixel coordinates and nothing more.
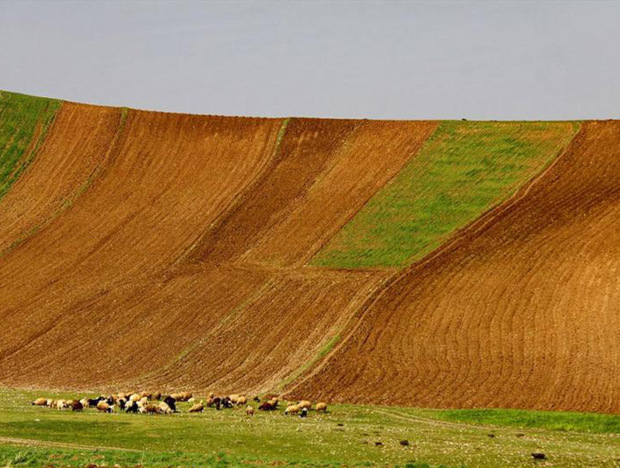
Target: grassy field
(464, 169)
(34, 436)
(23, 123)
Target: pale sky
(361, 59)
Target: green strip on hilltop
(462, 171)
(24, 121)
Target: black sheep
(171, 402)
(132, 407)
(92, 402)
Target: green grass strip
(462, 171)
(551, 420)
(22, 118)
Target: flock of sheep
(156, 403)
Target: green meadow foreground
(347, 434)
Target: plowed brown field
(69, 159)
(147, 249)
(523, 311)
(145, 268)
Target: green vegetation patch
(552, 420)
(462, 171)
(24, 121)
(347, 435)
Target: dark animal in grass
(76, 405)
(131, 407)
(122, 403)
(256, 399)
(227, 402)
(267, 406)
(171, 402)
(214, 401)
(303, 413)
(93, 402)
(539, 456)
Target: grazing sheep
(234, 398)
(152, 409)
(303, 413)
(164, 408)
(104, 407)
(183, 396)
(256, 399)
(134, 397)
(40, 402)
(60, 404)
(267, 406)
(122, 402)
(76, 405)
(242, 400)
(197, 408)
(171, 402)
(305, 404)
(321, 407)
(50, 403)
(293, 409)
(249, 410)
(132, 407)
(191, 401)
(93, 402)
(84, 402)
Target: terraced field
(443, 264)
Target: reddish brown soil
(523, 311)
(83, 284)
(307, 147)
(132, 282)
(74, 150)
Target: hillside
(422, 263)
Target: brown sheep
(293, 409)
(76, 405)
(197, 408)
(249, 410)
(305, 404)
(103, 407)
(152, 409)
(321, 407)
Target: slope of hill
(420, 263)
